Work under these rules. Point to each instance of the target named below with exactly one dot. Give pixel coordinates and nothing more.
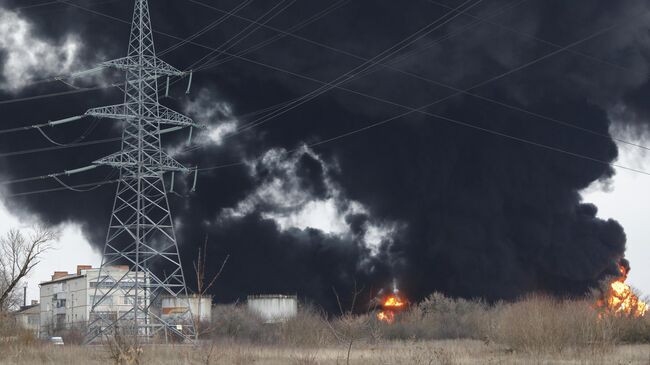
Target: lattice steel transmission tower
(141, 232)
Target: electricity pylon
(141, 232)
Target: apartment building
(66, 300)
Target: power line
(530, 63)
(391, 67)
(511, 71)
(93, 185)
(56, 148)
(105, 140)
(280, 35)
(46, 3)
(241, 35)
(541, 40)
(207, 28)
(454, 121)
(210, 26)
(381, 57)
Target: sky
(622, 198)
(480, 149)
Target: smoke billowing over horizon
(482, 201)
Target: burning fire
(620, 300)
(390, 305)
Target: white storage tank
(274, 308)
(201, 307)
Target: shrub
(441, 317)
(544, 324)
(236, 322)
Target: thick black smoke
(467, 212)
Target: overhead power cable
(247, 31)
(278, 36)
(57, 174)
(541, 40)
(56, 148)
(47, 3)
(207, 28)
(379, 58)
(231, 13)
(441, 117)
(452, 95)
(93, 186)
(390, 66)
(524, 65)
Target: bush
(11, 333)
(441, 317)
(532, 324)
(236, 322)
(544, 324)
(631, 330)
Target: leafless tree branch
(19, 254)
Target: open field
(439, 330)
(384, 352)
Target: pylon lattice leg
(141, 232)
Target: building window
(108, 300)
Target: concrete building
(66, 299)
(29, 317)
(201, 307)
(274, 308)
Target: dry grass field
(440, 330)
(383, 352)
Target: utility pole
(141, 232)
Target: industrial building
(66, 299)
(273, 308)
(29, 317)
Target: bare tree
(19, 254)
(346, 331)
(203, 284)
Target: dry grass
(391, 352)
(440, 330)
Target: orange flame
(391, 304)
(620, 300)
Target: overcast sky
(626, 199)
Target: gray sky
(627, 199)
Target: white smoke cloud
(283, 199)
(27, 56)
(207, 108)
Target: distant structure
(29, 317)
(141, 237)
(67, 299)
(199, 306)
(274, 308)
(141, 232)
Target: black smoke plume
(468, 213)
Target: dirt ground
(393, 352)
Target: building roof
(272, 296)
(63, 278)
(75, 275)
(30, 309)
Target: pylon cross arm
(149, 111)
(161, 162)
(150, 64)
